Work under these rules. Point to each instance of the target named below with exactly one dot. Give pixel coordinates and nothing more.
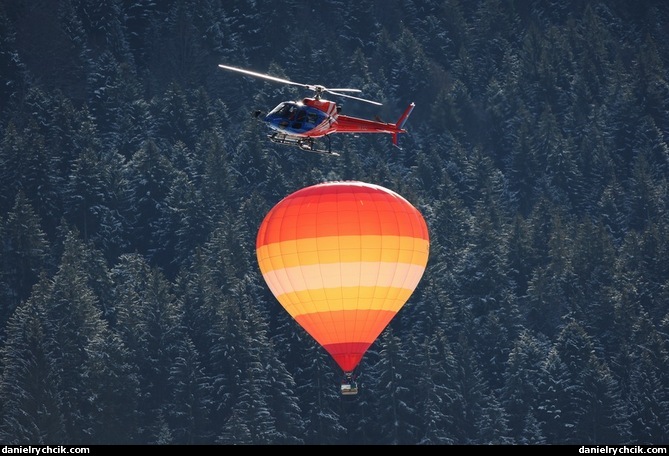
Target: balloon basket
(349, 387)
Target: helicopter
(301, 123)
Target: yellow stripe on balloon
(345, 298)
(335, 249)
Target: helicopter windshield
(284, 110)
(294, 117)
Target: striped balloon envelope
(343, 258)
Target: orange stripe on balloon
(335, 249)
(343, 299)
(345, 326)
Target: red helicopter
(300, 123)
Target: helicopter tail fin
(399, 125)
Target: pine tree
(284, 404)
(237, 364)
(24, 255)
(11, 67)
(583, 402)
(114, 391)
(433, 386)
(149, 323)
(644, 196)
(75, 326)
(29, 166)
(174, 118)
(30, 393)
(67, 339)
(550, 291)
(218, 180)
(317, 381)
(151, 178)
(95, 198)
(520, 395)
(184, 225)
(472, 400)
(401, 422)
(648, 380)
(191, 401)
(594, 271)
(105, 27)
(123, 116)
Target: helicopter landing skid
(306, 144)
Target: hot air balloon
(342, 258)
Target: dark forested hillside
(133, 181)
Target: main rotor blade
(261, 75)
(317, 88)
(355, 98)
(344, 90)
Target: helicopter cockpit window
(295, 116)
(284, 111)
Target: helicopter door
(300, 118)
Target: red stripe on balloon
(341, 210)
(347, 355)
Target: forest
(133, 181)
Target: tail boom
(348, 124)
